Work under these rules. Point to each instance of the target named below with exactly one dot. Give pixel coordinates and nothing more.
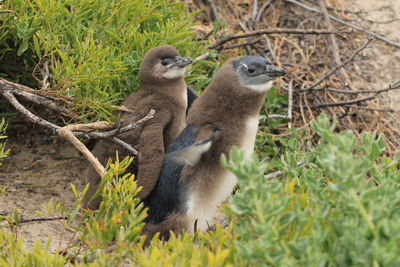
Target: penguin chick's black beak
(181, 62)
(275, 72)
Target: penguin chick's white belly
(203, 208)
(248, 138)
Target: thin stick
(269, 31)
(115, 132)
(371, 109)
(335, 47)
(395, 86)
(31, 117)
(34, 98)
(290, 96)
(214, 10)
(128, 147)
(241, 44)
(333, 71)
(255, 8)
(358, 28)
(43, 219)
(262, 9)
(67, 134)
(343, 103)
(203, 56)
(288, 116)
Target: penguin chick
(163, 89)
(192, 182)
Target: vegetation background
(336, 203)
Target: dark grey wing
(168, 194)
(191, 97)
(191, 154)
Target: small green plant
(339, 209)
(3, 151)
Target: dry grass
(307, 57)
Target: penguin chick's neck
(175, 88)
(225, 100)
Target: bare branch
(395, 86)
(67, 134)
(333, 71)
(67, 131)
(43, 219)
(31, 117)
(262, 9)
(126, 146)
(269, 31)
(358, 28)
(343, 103)
(350, 102)
(28, 95)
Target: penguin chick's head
(256, 73)
(163, 62)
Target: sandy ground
(41, 167)
(382, 66)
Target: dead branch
(213, 8)
(344, 103)
(262, 9)
(358, 28)
(288, 115)
(396, 85)
(82, 129)
(241, 44)
(67, 134)
(43, 219)
(203, 56)
(269, 31)
(359, 100)
(333, 71)
(28, 95)
(371, 109)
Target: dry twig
(67, 131)
(333, 71)
(269, 31)
(358, 28)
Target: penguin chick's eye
(251, 70)
(164, 62)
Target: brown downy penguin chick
(192, 182)
(163, 89)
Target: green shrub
(93, 48)
(339, 209)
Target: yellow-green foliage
(14, 254)
(338, 209)
(3, 151)
(94, 47)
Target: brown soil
(40, 168)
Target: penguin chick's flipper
(151, 153)
(191, 97)
(191, 155)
